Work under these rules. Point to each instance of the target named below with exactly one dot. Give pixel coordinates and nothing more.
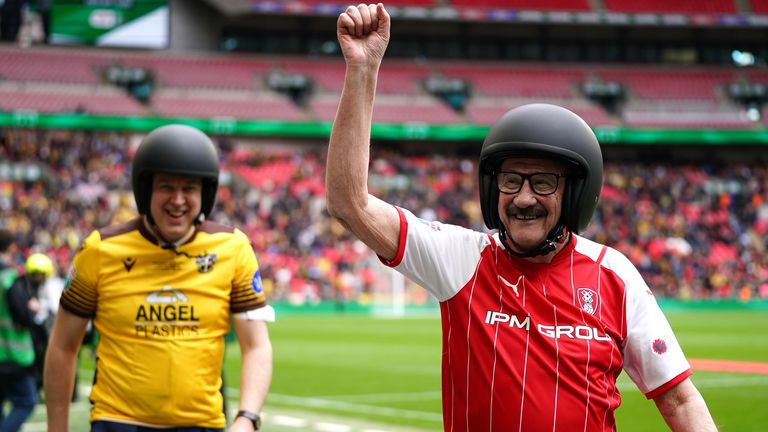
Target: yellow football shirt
(161, 316)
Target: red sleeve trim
(671, 383)
(400, 241)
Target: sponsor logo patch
(128, 263)
(512, 285)
(256, 284)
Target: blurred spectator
(30, 306)
(23, 338)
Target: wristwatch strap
(253, 417)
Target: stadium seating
(681, 114)
(486, 112)
(200, 72)
(69, 99)
(233, 86)
(51, 65)
(546, 5)
(394, 109)
(236, 105)
(664, 6)
(759, 6)
(518, 80)
(662, 83)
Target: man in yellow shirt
(161, 290)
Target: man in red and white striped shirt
(538, 322)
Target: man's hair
(6, 240)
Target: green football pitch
(354, 372)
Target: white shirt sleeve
(653, 357)
(439, 257)
(265, 313)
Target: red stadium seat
(237, 105)
(665, 6)
(51, 65)
(395, 109)
(685, 115)
(106, 101)
(546, 5)
(499, 80)
(663, 83)
(759, 6)
(200, 72)
(488, 112)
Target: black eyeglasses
(510, 182)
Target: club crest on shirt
(588, 300)
(205, 262)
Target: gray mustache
(528, 212)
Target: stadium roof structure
(500, 12)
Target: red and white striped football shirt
(537, 347)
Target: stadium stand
(680, 6)
(528, 81)
(200, 71)
(656, 95)
(695, 230)
(189, 85)
(237, 105)
(547, 5)
(759, 6)
(665, 83)
(694, 220)
(72, 65)
(395, 109)
(685, 114)
(42, 98)
(486, 112)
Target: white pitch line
(384, 397)
(714, 382)
(332, 427)
(339, 403)
(354, 408)
(316, 402)
(289, 421)
(35, 426)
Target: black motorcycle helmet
(547, 131)
(179, 150)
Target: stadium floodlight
(754, 114)
(743, 58)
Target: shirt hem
(669, 384)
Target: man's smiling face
(175, 204)
(528, 216)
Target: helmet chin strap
(555, 237)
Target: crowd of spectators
(693, 230)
